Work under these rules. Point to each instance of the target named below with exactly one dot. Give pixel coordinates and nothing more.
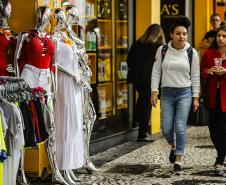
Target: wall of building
(147, 12)
(202, 10)
(23, 15)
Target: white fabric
(36, 77)
(11, 164)
(68, 111)
(175, 70)
(19, 141)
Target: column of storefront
(202, 10)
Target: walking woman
(177, 67)
(213, 70)
(140, 62)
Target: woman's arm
(156, 71)
(156, 77)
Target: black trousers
(142, 110)
(217, 128)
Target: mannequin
(35, 51)
(33, 60)
(68, 106)
(7, 40)
(89, 114)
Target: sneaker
(172, 156)
(144, 137)
(219, 171)
(177, 169)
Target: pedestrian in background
(215, 21)
(213, 70)
(180, 83)
(140, 62)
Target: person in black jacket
(140, 62)
(215, 21)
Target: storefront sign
(170, 10)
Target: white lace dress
(68, 110)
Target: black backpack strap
(190, 54)
(163, 51)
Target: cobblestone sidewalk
(147, 164)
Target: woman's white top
(175, 69)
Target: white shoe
(89, 166)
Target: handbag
(201, 116)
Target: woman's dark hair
(153, 34)
(214, 43)
(181, 21)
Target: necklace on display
(66, 39)
(42, 34)
(6, 32)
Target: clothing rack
(14, 89)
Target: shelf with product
(90, 9)
(121, 51)
(98, 38)
(105, 105)
(104, 67)
(106, 35)
(92, 63)
(122, 95)
(104, 59)
(104, 9)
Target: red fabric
(35, 121)
(6, 45)
(37, 51)
(206, 63)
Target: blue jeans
(175, 107)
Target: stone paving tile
(148, 164)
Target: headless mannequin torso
(35, 51)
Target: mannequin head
(58, 20)
(72, 14)
(5, 9)
(43, 16)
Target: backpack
(163, 53)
